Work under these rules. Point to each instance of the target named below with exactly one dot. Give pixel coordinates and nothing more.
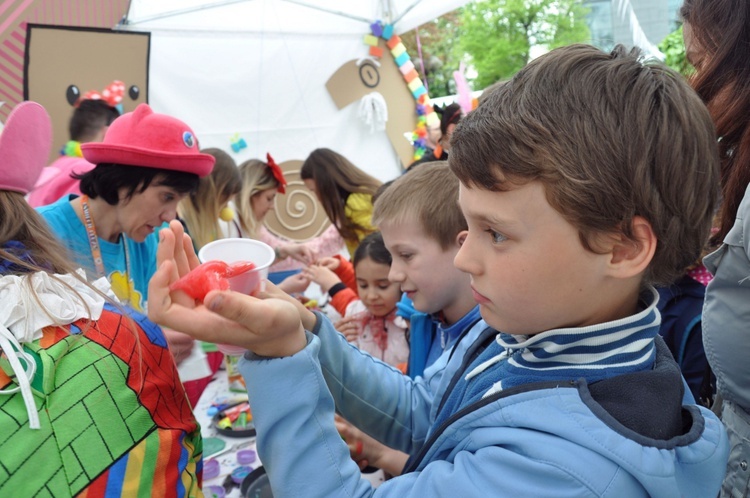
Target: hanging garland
(426, 115)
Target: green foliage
(498, 35)
(673, 47)
(440, 52)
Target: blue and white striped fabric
(594, 353)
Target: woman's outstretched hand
(268, 327)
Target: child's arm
(342, 268)
(330, 283)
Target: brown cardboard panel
(351, 82)
(297, 214)
(58, 57)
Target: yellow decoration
(398, 50)
(125, 290)
(371, 40)
(226, 214)
(414, 84)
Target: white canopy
(257, 69)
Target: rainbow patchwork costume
(113, 416)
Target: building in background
(626, 21)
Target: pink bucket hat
(25, 144)
(145, 138)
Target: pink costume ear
(25, 144)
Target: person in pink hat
(145, 165)
(88, 406)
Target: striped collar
(594, 352)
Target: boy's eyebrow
(397, 247)
(489, 219)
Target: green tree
(673, 48)
(498, 35)
(441, 54)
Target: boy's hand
(269, 327)
(299, 252)
(180, 345)
(273, 292)
(294, 284)
(350, 327)
(330, 263)
(322, 276)
(366, 450)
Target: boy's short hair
(610, 137)
(89, 118)
(427, 195)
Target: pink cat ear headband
(25, 144)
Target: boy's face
(423, 269)
(529, 270)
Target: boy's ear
(631, 257)
(461, 237)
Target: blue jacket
(623, 436)
(681, 305)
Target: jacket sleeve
(345, 272)
(394, 410)
(305, 456)
(342, 299)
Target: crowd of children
(510, 318)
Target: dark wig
(106, 181)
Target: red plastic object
(211, 275)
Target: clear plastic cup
(234, 250)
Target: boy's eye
(405, 256)
(384, 286)
(496, 236)
(168, 197)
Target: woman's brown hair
(719, 28)
(335, 178)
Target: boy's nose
(464, 261)
(395, 274)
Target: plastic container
(240, 473)
(246, 457)
(214, 492)
(233, 250)
(211, 469)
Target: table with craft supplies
(229, 452)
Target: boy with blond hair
(584, 180)
(423, 229)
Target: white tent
(257, 69)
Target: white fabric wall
(259, 67)
(270, 89)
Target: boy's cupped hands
(269, 327)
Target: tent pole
(406, 11)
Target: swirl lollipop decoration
(297, 214)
